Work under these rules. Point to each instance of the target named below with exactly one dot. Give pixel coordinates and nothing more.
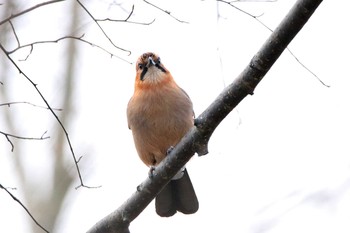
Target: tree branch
(101, 29)
(28, 10)
(53, 113)
(196, 140)
(8, 104)
(25, 208)
(8, 136)
(256, 17)
(165, 11)
(79, 38)
(126, 20)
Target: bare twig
(263, 24)
(25, 102)
(118, 20)
(126, 20)
(53, 113)
(101, 29)
(239, 9)
(12, 188)
(306, 68)
(31, 45)
(79, 38)
(14, 32)
(28, 10)
(8, 135)
(23, 206)
(165, 11)
(8, 139)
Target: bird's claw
(151, 172)
(169, 150)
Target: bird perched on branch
(159, 114)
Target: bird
(159, 114)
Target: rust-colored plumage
(159, 114)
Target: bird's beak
(150, 62)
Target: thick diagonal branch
(196, 140)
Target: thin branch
(12, 188)
(8, 136)
(130, 14)
(23, 206)
(119, 20)
(53, 113)
(42, 137)
(79, 38)
(306, 68)
(28, 10)
(239, 9)
(126, 20)
(101, 29)
(166, 12)
(263, 24)
(132, 22)
(196, 140)
(25, 102)
(11, 144)
(31, 45)
(14, 32)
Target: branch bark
(197, 139)
(12, 16)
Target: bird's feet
(169, 150)
(151, 172)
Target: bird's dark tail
(177, 195)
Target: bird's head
(149, 70)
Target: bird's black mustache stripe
(160, 67)
(145, 69)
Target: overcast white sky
(278, 163)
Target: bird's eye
(158, 60)
(140, 66)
